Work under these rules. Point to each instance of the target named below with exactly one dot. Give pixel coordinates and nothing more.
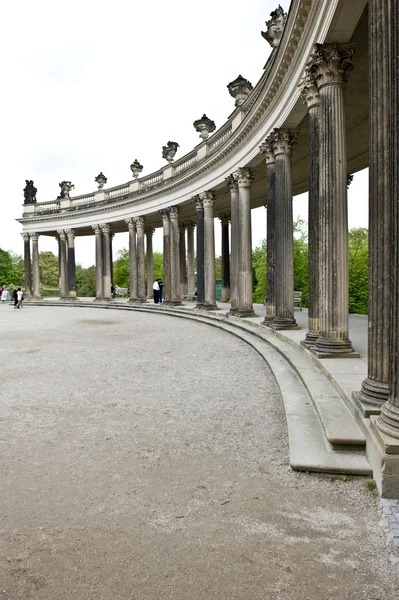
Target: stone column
(208, 200)
(150, 265)
(132, 259)
(375, 389)
(174, 256)
(311, 98)
(106, 261)
(166, 255)
(27, 266)
(225, 220)
(244, 178)
(111, 260)
(35, 265)
(233, 186)
(141, 290)
(71, 264)
(63, 278)
(388, 421)
(182, 258)
(283, 142)
(99, 261)
(330, 66)
(190, 261)
(267, 149)
(199, 211)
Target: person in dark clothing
(14, 296)
(155, 289)
(160, 283)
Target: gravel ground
(144, 457)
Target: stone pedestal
(244, 178)
(71, 264)
(99, 261)
(35, 265)
(311, 98)
(27, 267)
(199, 210)
(141, 288)
(234, 216)
(208, 200)
(132, 259)
(166, 255)
(267, 149)
(224, 221)
(174, 256)
(150, 264)
(330, 66)
(63, 275)
(283, 142)
(106, 261)
(190, 262)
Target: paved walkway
(146, 458)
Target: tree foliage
(11, 273)
(48, 265)
(358, 270)
(85, 281)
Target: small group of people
(158, 291)
(17, 295)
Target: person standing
(155, 289)
(19, 298)
(160, 283)
(14, 296)
(4, 294)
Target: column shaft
(27, 267)
(106, 261)
(199, 209)
(208, 199)
(190, 261)
(224, 220)
(244, 178)
(141, 289)
(99, 261)
(35, 265)
(174, 256)
(150, 263)
(111, 260)
(63, 278)
(71, 264)
(166, 256)
(233, 186)
(284, 140)
(182, 259)
(132, 260)
(267, 148)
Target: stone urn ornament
(29, 192)
(204, 126)
(101, 180)
(169, 151)
(275, 27)
(240, 88)
(66, 187)
(136, 168)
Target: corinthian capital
(165, 214)
(208, 198)
(34, 237)
(62, 234)
(243, 176)
(105, 227)
(231, 182)
(130, 223)
(284, 140)
(309, 91)
(25, 236)
(139, 221)
(331, 63)
(97, 229)
(224, 219)
(70, 233)
(267, 149)
(174, 212)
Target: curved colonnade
(325, 106)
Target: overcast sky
(89, 86)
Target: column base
(328, 348)
(243, 314)
(207, 306)
(284, 323)
(190, 298)
(175, 303)
(310, 339)
(367, 410)
(268, 320)
(137, 300)
(388, 423)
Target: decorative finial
(29, 192)
(101, 180)
(169, 151)
(239, 89)
(204, 126)
(275, 27)
(136, 168)
(66, 187)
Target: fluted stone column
(63, 279)
(311, 98)
(330, 66)
(208, 200)
(190, 261)
(111, 259)
(71, 263)
(233, 187)
(132, 259)
(388, 421)
(166, 255)
(150, 264)
(141, 289)
(199, 211)
(244, 178)
(27, 266)
(224, 221)
(182, 258)
(267, 148)
(35, 265)
(174, 256)
(283, 142)
(106, 261)
(99, 261)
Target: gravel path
(144, 457)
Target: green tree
(259, 273)
(358, 270)
(85, 281)
(122, 270)
(301, 259)
(10, 273)
(48, 265)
